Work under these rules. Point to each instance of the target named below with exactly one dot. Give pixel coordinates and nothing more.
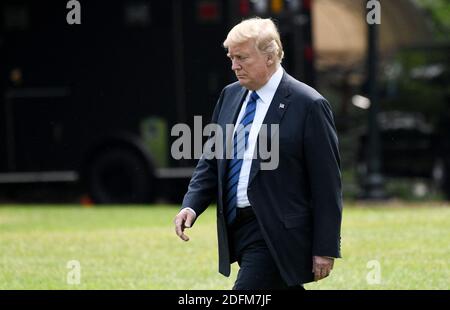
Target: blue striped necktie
(240, 139)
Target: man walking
(281, 225)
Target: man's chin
(246, 85)
(243, 82)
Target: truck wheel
(120, 176)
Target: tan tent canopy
(340, 29)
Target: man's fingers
(324, 273)
(321, 271)
(322, 267)
(180, 224)
(318, 274)
(180, 232)
(178, 227)
(184, 237)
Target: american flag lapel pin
(281, 105)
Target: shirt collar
(267, 92)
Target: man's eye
(239, 58)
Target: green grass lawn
(136, 248)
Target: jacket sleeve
(202, 188)
(323, 166)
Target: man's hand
(184, 219)
(322, 267)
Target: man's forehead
(241, 48)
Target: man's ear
(269, 60)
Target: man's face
(252, 68)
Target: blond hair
(263, 31)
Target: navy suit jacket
(298, 205)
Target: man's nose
(235, 65)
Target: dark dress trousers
(298, 205)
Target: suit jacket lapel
(274, 115)
(233, 105)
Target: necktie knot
(254, 96)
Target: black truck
(94, 102)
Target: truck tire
(120, 176)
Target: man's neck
(271, 73)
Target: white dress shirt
(265, 94)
